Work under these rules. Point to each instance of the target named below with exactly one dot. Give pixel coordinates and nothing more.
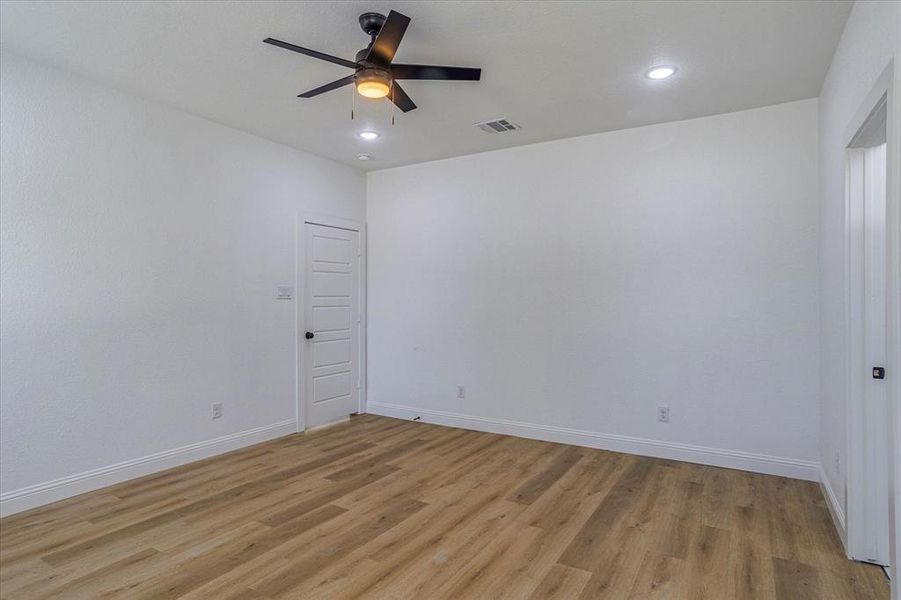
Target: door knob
(308, 335)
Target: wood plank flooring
(383, 508)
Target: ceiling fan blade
(386, 42)
(435, 72)
(400, 98)
(313, 53)
(328, 87)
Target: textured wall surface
(141, 250)
(582, 283)
(870, 39)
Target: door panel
(332, 249)
(875, 400)
(335, 285)
(329, 387)
(329, 318)
(868, 416)
(326, 353)
(332, 313)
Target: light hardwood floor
(383, 508)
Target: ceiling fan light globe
(373, 89)
(373, 83)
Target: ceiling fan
(375, 76)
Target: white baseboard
(835, 508)
(718, 457)
(66, 487)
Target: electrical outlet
(663, 414)
(461, 392)
(217, 410)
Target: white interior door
(332, 318)
(875, 398)
(868, 489)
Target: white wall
(141, 250)
(579, 284)
(870, 38)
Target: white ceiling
(559, 69)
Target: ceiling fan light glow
(373, 83)
(369, 135)
(660, 72)
(373, 89)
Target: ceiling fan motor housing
(367, 70)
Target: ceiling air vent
(498, 126)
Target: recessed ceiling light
(369, 135)
(660, 72)
(364, 157)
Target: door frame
(300, 308)
(886, 85)
(893, 307)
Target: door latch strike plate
(878, 372)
